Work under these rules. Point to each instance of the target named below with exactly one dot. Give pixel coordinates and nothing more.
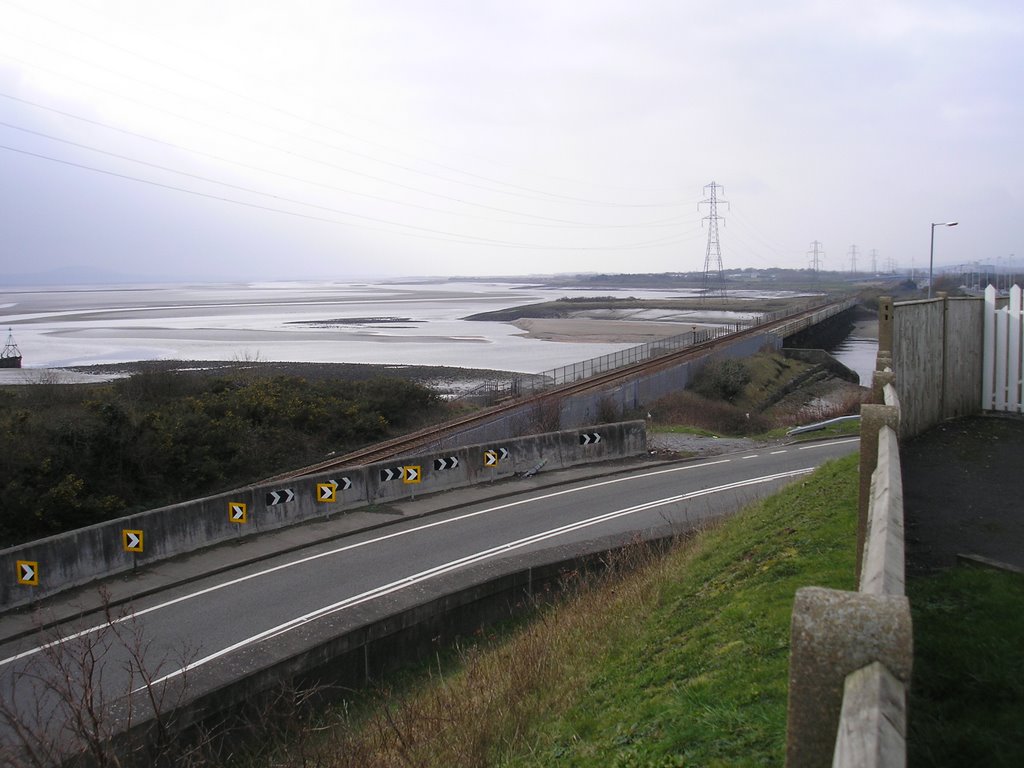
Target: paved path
(963, 488)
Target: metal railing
(532, 383)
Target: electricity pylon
(816, 255)
(714, 277)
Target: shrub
(693, 410)
(722, 379)
(78, 455)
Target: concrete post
(834, 633)
(878, 381)
(885, 324)
(872, 419)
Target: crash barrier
(57, 563)
(851, 653)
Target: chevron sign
(590, 438)
(131, 540)
(283, 496)
(494, 455)
(390, 473)
(446, 462)
(328, 491)
(28, 572)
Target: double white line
(462, 562)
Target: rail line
(406, 443)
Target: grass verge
(967, 694)
(683, 661)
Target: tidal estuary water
(411, 323)
(389, 323)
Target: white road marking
(752, 456)
(828, 444)
(776, 453)
(348, 547)
(395, 586)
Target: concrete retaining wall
(61, 562)
(825, 360)
(557, 411)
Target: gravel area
(698, 445)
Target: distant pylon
(853, 259)
(874, 261)
(714, 276)
(816, 255)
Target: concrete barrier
(57, 563)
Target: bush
(722, 380)
(693, 410)
(83, 454)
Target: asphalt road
(199, 633)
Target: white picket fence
(1002, 377)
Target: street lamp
(931, 254)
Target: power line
(451, 237)
(568, 224)
(853, 259)
(311, 159)
(410, 169)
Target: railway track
(410, 442)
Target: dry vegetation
(756, 395)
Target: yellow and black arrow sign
(28, 572)
(131, 540)
(238, 512)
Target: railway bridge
(597, 390)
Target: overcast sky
(293, 139)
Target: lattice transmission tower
(816, 255)
(714, 276)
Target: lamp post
(931, 254)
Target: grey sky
(339, 139)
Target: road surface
(199, 635)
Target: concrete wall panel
(78, 557)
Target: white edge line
(407, 581)
(828, 444)
(347, 547)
